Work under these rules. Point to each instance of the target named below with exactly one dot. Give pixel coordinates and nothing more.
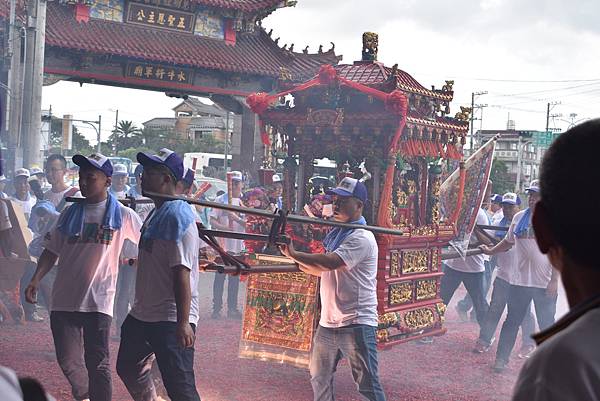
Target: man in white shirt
(566, 365)
(86, 241)
(163, 319)
(469, 271)
(119, 186)
(506, 263)
(56, 169)
(229, 221)
(533, 280)
(348, 291)
(22, 195)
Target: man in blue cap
(348, 272)
(163, 319)
(533, 280)
(86, 241)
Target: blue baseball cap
(496, 198)
(164, 157)
(95, 160)
(139, 169)
(188, 177)
(350, 187)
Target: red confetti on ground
(444, 370)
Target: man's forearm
(310, 270)
(317, 262)
(183, 293)
(45, 264)
(502, 246)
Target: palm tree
(124, 133)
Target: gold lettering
(138, 71)
(149, 71)
(171, 20)
(159, 73)
(181, 76)
(140, 15)
(171, 74)
(181, 23)
(161, 18)
(151, 17)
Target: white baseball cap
(36, 171)
(510, 198)
(237, 176)
(22, 172)
(119, 170)
(534, 186)
(276, 178)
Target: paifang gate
(214, 48)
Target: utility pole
(225, 164)
(14, 93)
(473, 106)
(99, 132)
(33, 81)
(115, 136)
(549, 107)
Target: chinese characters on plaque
(185, 5)
(157, 72)
(160, 17)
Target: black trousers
(81, 343)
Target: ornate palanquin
(381, 125)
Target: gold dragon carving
(415, 261)
(419, 318)
(401, 293)
(426, 289)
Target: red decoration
(264, 135)
(396, 102)
(259, 102)
(327, 75)
(82, 13)
(230, 35)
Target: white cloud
(433, 40)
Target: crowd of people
(97, 258)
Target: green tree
(80, 143)
(501, 180)
(125, 136)
(131, 153)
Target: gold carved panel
(419, 318)
(400, 293)
(415, 261)
(394, 263)
(426, 289)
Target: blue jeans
(498, 303)
(466, 303)
(141, 343)
(473, 283)
(81, 343)
(519, 299)
(355, 342)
